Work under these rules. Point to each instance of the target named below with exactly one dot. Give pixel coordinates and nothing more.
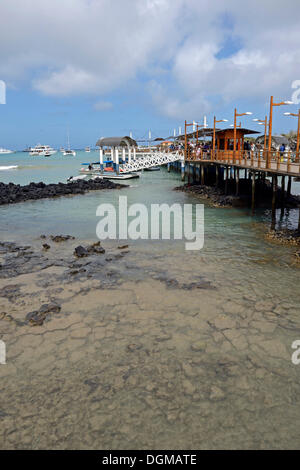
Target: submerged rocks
(38, 317)
(80, 251)
(96, 248)
(11, 193)
(61, 238)
(286, 236)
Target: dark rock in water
(96, 248)
(38, 317)
(80, 251)
(46, 246)
(12, 193)
(61, 238)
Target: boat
(153, 168)
(87, 149)
(42, 150)
(5, 151)
(119, 176)
(61, 149)
(68, 151)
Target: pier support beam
(101, 160)
(282, 190)
(274, 189)
(217, 175)
(117, 161)
(289, 186)
(226, 181)
(202, 175)
(237, 182)
(182, 171)
(299, 221)
(253, 192)
(169, 167)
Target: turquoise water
(142, 364)
(77, 215)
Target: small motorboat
(87, 149)
(76, 178)
(153, 168)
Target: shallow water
(160, 348)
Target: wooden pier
(257, 164)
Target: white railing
(151, 160)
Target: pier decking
(268, 162)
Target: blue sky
(151, 66)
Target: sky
(110, 67)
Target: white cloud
(74, 47)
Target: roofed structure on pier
(225, 136)
(124, 141)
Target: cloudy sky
(107, 67)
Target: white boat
(5, 151)
(87, 149)
(68, 151)
(42, 150)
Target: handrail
(286, 162)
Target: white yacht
(5, 151)
(42, 150)
(68, 151)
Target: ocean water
(152, 361)
(77, 215)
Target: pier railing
(283, 162)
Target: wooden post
(202, 175)
(253, 192)
(282, 190)
(226, 181)
(274, 188)
(217, 175)
(289, 186)
(237, 182)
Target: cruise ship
(42, 150)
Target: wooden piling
(274, 189)
(282, 190)
(217, 175)
(237, 182)
(226, 181)
(253, 192)
(202, 175)
(289, 186)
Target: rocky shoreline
(11, 193)
(218, 197)
(286, 237)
